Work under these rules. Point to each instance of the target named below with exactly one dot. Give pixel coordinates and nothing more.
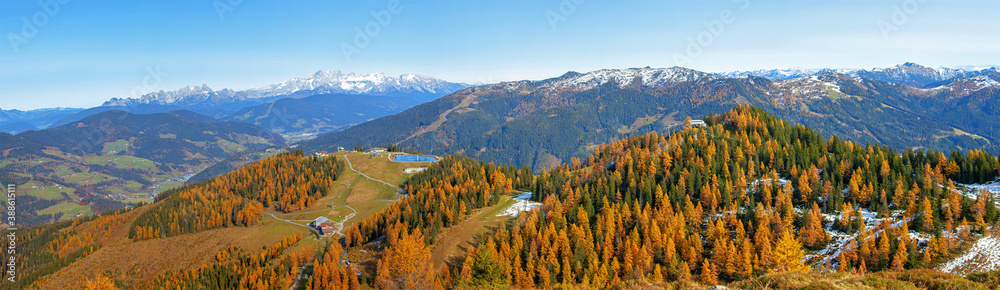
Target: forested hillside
(747, 196)
(441, 196)
(287, 183)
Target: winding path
(340, 225)
(398, 189)
(288, 221)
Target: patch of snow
(523, 196)
(922, 238)
(807, 87)
(753, 185)
(992, 187)
(840, 240)
(972, 190)
(982, 81)
(523, 204)
(983, 256)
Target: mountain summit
(911, 74)
(775, 74)
(350, 83)
(320, 82)
(183, 96)
(649, 77)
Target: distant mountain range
(775, 74)
(547, 122)
(388, 91)
(16, 121)
(322, 82)
(909, 73)
(380, 95)
(912, 74)
(220, 103)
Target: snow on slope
(651, 77)
(972, 190)
(337, 81)
(975, 83)
(911, 74)
(992, 187)
(840, 240)
(809, 87)
(983, 256)
(774, 74)
(523, 204)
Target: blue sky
(85, 52)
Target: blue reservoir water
(413, 158)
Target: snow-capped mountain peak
(651, 77)
(320, 82)
(185, 94)
(908, 73)
(965, 85)
(375, 83)
(912, 74)
(775, 74)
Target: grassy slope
(363, 195)
(450, 245)
(132, 263)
